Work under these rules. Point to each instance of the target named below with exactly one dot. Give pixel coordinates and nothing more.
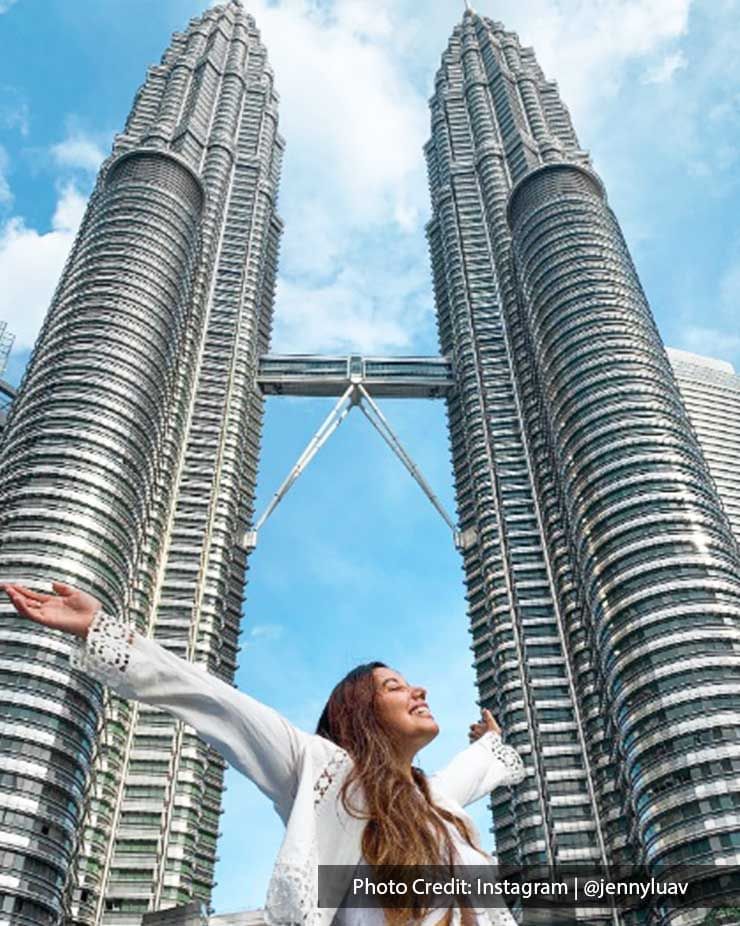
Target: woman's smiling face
(402, 710)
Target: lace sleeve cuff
(106, 651)
(507, 755)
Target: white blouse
(465, 855)
(301, 773)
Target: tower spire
(468, 7)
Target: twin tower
(602, 576)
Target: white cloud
(355, 125)
(313, 239)
(729, 292)
(663, 72)
(69, 210)
(266, 631)
(363, 19)
(709, 314)
(588, 45)
(376, 309)
(339, 316)
(5, 5)
(686, 129)
(6, 195)
(31, 263)
(354, 112)
(708, 341)
(354, 175)
(79, 152)
(355, 117)
(726, 110)
(14, 110)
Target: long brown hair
(404, 825)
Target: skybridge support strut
(356, 395)
(381, 425)
(332, 421)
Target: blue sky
(355, 564)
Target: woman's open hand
(486, 725)
(69, 610)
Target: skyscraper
(128, 468)
(604, 586)
(711, 393)
(7, 392)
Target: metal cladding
(604, 589)
(711, 393)
(128, 468)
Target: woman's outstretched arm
(254, 738)
(486, 764)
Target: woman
(347, 794)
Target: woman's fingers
(17, 596)
(490, 721)
(477, 730)
(27, 607)
(485, 725)
(63, 589)
(69, 612)
(36, 596)
(26, 592)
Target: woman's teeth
(421, 710)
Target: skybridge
(382, 377)
(356, 382)
(7, 394)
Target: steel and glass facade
(604, 587)
(127, 468)
(711, 393)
